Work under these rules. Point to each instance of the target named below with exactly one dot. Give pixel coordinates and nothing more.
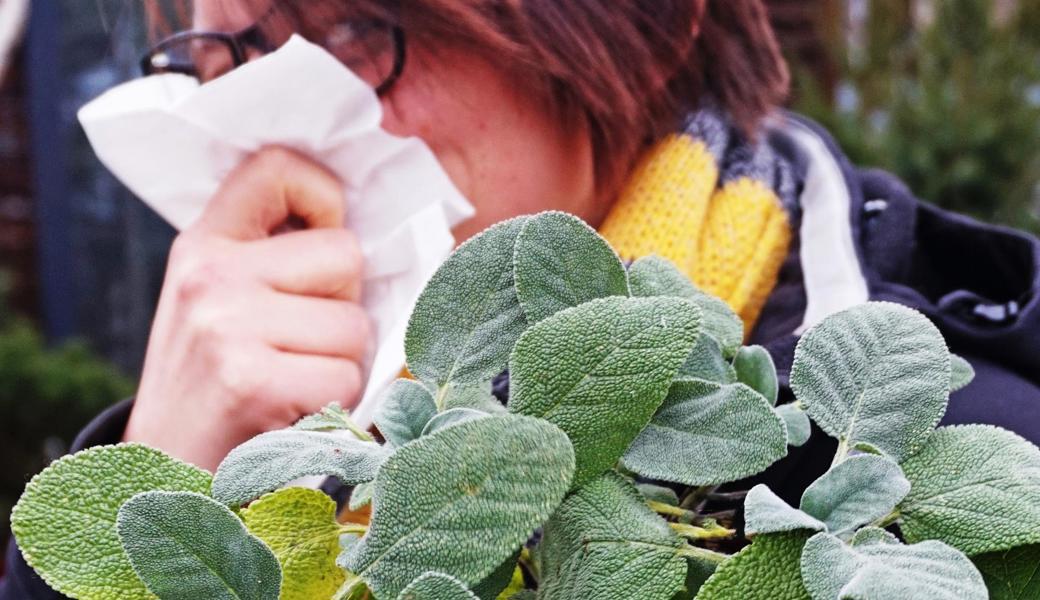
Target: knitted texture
(727, 229)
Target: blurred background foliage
(945, 94)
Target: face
(500, 145)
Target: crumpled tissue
(172, 141)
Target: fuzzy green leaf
(873, 535)
(404, 410)
(476, 396)
(961, 373)
(707, 434)
(499, 579)
(657, 276)
(706, 362)
(271, 460)
(561, 262)
(452, 417)
(833, 570)
(436, 586)
(185, 546)
(975, 487)
(765, 512)
(361, 496)
(299, 526)
(861, 489)
(599, 371)
(755, 369)
(768, 569)
(605, 544)
(658, 493)
(461, 501)
(799, 428)
(1012, 574)
(468, 317)
(697, 573)
(877, 373)
(65, 521)
(330, 418)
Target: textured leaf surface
(477, 396)
(697, 572)
(706, 434)
(832, 569)
(65, 522)
(873, 535)
(185, 546)
(765, 512)
(755, 369)
(961, 373)
(857, 491)
(799, 428)
(452, 417)
(499, 579)
(768, 569)
(605, 544)
(561, 262)
(975, 487)
(468, 317)
(658, 493)
(877, 373)
(599, 371)
(299, 526)
(271, 460)
(1013, 574)
(657, 276)
(361, 496)
(331, 418)
(461, 501)
(706, 362)
(404, 410)
(436, 586)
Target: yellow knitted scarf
(729, 232)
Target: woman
(656, 121)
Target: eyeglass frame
(252, 37)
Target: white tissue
(172, 142)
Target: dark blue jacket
(980, 284)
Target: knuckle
(240, 377)
(345, 245)
(200, 279)
(274, 159)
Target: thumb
(274, 186)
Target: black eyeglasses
(372, 49)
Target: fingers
(315, 262)
(272, 186)
(314, 326)
(300, 384)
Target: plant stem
(887, 520)
(353, 528)
(703, 554)
(712, 531)
(442, 395)
(661, 508)
(841, 454)
(696, 497)
(728, 496)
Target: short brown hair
(630, 69)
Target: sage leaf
(707, 362)
(877, 373)
(560, 262)
(1011, 574)
(600, 370)
(873, 535)
(603, 543)
(404, 410)
(658, 493)
(755, 369)
(656, 276)
(765, 512)
(476, 396)
(65, 521)
(460, 501)
(882, 571)
(299, 526)
(975, 487)
(499, 579)
(452, 417)
(799, 428)
(697, 573)
(468, 318)
(436, 586)
(179, 560)
(273, 459)
(361, 496)
(961, 373)
(768, 569)
(708, 434)
(330, 418)
(863, 488)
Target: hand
(254, 330)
